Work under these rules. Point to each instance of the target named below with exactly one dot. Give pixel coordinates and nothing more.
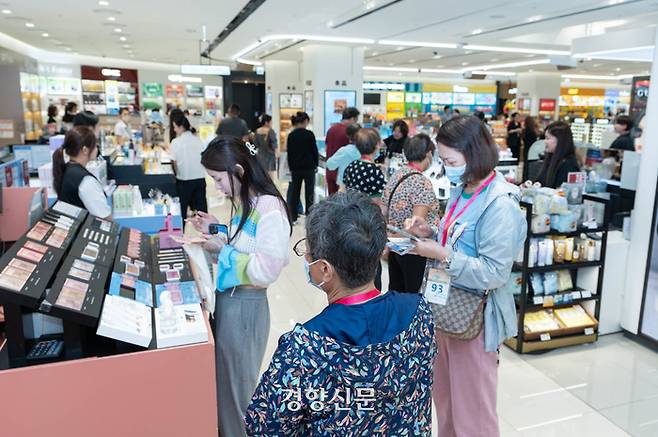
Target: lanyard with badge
(437, 280)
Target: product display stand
(527, 302)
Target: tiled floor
(607, 389)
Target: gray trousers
(242, 326)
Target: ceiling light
(122, 38)
(399, 48)
(30, 25)
(494, 73)
(416, 44)
(436, 56)
(615, 2)
(468, 52)
(126, 46)
(513, 64)
(516, 50)
(596, 65)
(495, 60)
(530, 56)
(530, 70)
(464, 64)
(375, 54)
(103, 3)
(617, 69)
(412, 60)
(402, 69)
(45, 35)
(111, 19)
(118, 30)
(6, 11)
(590, 76)
(435, 70)
(476, 32)
(248, 62)
(535, 18)
(68, 49)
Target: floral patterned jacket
(316, 386)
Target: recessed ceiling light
(468, 52)
(617, 69)
(530, 56)
(412, 60)
(30, 25)
(495, 60)
(439, 66)
(111, 18)
(68, 49)
(375, 53)
(464, 64)
(399, 48)
(103, 3)
(535, 18)
(6, 11)
(390, 64)
(477, 31)
(118, 30)
(126, 46)
(122, 38)
(437, 56)
(530, 70)
(45, 35)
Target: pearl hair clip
(251, 147)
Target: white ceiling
(169, 31)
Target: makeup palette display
(97, 242)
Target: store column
(283, 95)
(333, 80)
(538, 94)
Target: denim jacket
(499, 236)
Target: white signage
(460, 89)
(222, 70)
(111, 72)
(179, 78)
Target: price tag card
(549, 301)
(586, 294)
(545, 337)
(575, 295)
(589, 331)
(538, 300)
(437, 286)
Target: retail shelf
(567, 234)
(555, 267)
(554, 343)
(531, 305)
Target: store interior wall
(282, 77)
(11, 65)
(642, 215)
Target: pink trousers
(464, 391)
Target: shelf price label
(589, 331)
(545, 336)
(538, 300)
(586, 294)
(576, 295)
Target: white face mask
(307, 269)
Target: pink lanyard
(448, 222)
(359, 298)
(415, 166)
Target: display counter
(151, 219)
(126, 173)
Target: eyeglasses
(300, 247)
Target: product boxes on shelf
(180, 325)
(126, 320)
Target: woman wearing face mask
(484, 217)
(409, 193)
(560, 158)
(364, 344)
(253, 257)
(72, 181)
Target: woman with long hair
(72, 181)
(249, 260)
(267, 144)
(560, 157)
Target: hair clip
(251, 147)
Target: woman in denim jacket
(494, 229)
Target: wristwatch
(447, 261)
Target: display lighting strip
(295, 37)
(598, 77)
(611, 51)
(388, 42)
(516, 50)
(510, 65)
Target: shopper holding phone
(484, 210)
(248, 261)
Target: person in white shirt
(185, 152)
(73, 183)
(122, 129)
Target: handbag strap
(402, 179)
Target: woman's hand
(214, 243)
(418, 226)
(431, 249)
(201, 221)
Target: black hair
(514, 114)
(52, 111)
(470, 137)
(479, 114)
(347, 230)
(446, 108)
(402, 125)
(85, 118)
(180, 119)
(564, 150)
(350, 112)
(234, 109)
(626, 121)
(74, 141)
(351, 130)
(416, 149)
(124, 109)
(298, 118)
(70, 106)
(225, 153)
(366, 140)
(173, 114)
(264, 119)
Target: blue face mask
(454, 174)
(307, 270)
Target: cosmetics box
(126, 320)
(189, 326)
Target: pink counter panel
(164, 392)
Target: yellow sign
(573, 91)
(395, 104)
